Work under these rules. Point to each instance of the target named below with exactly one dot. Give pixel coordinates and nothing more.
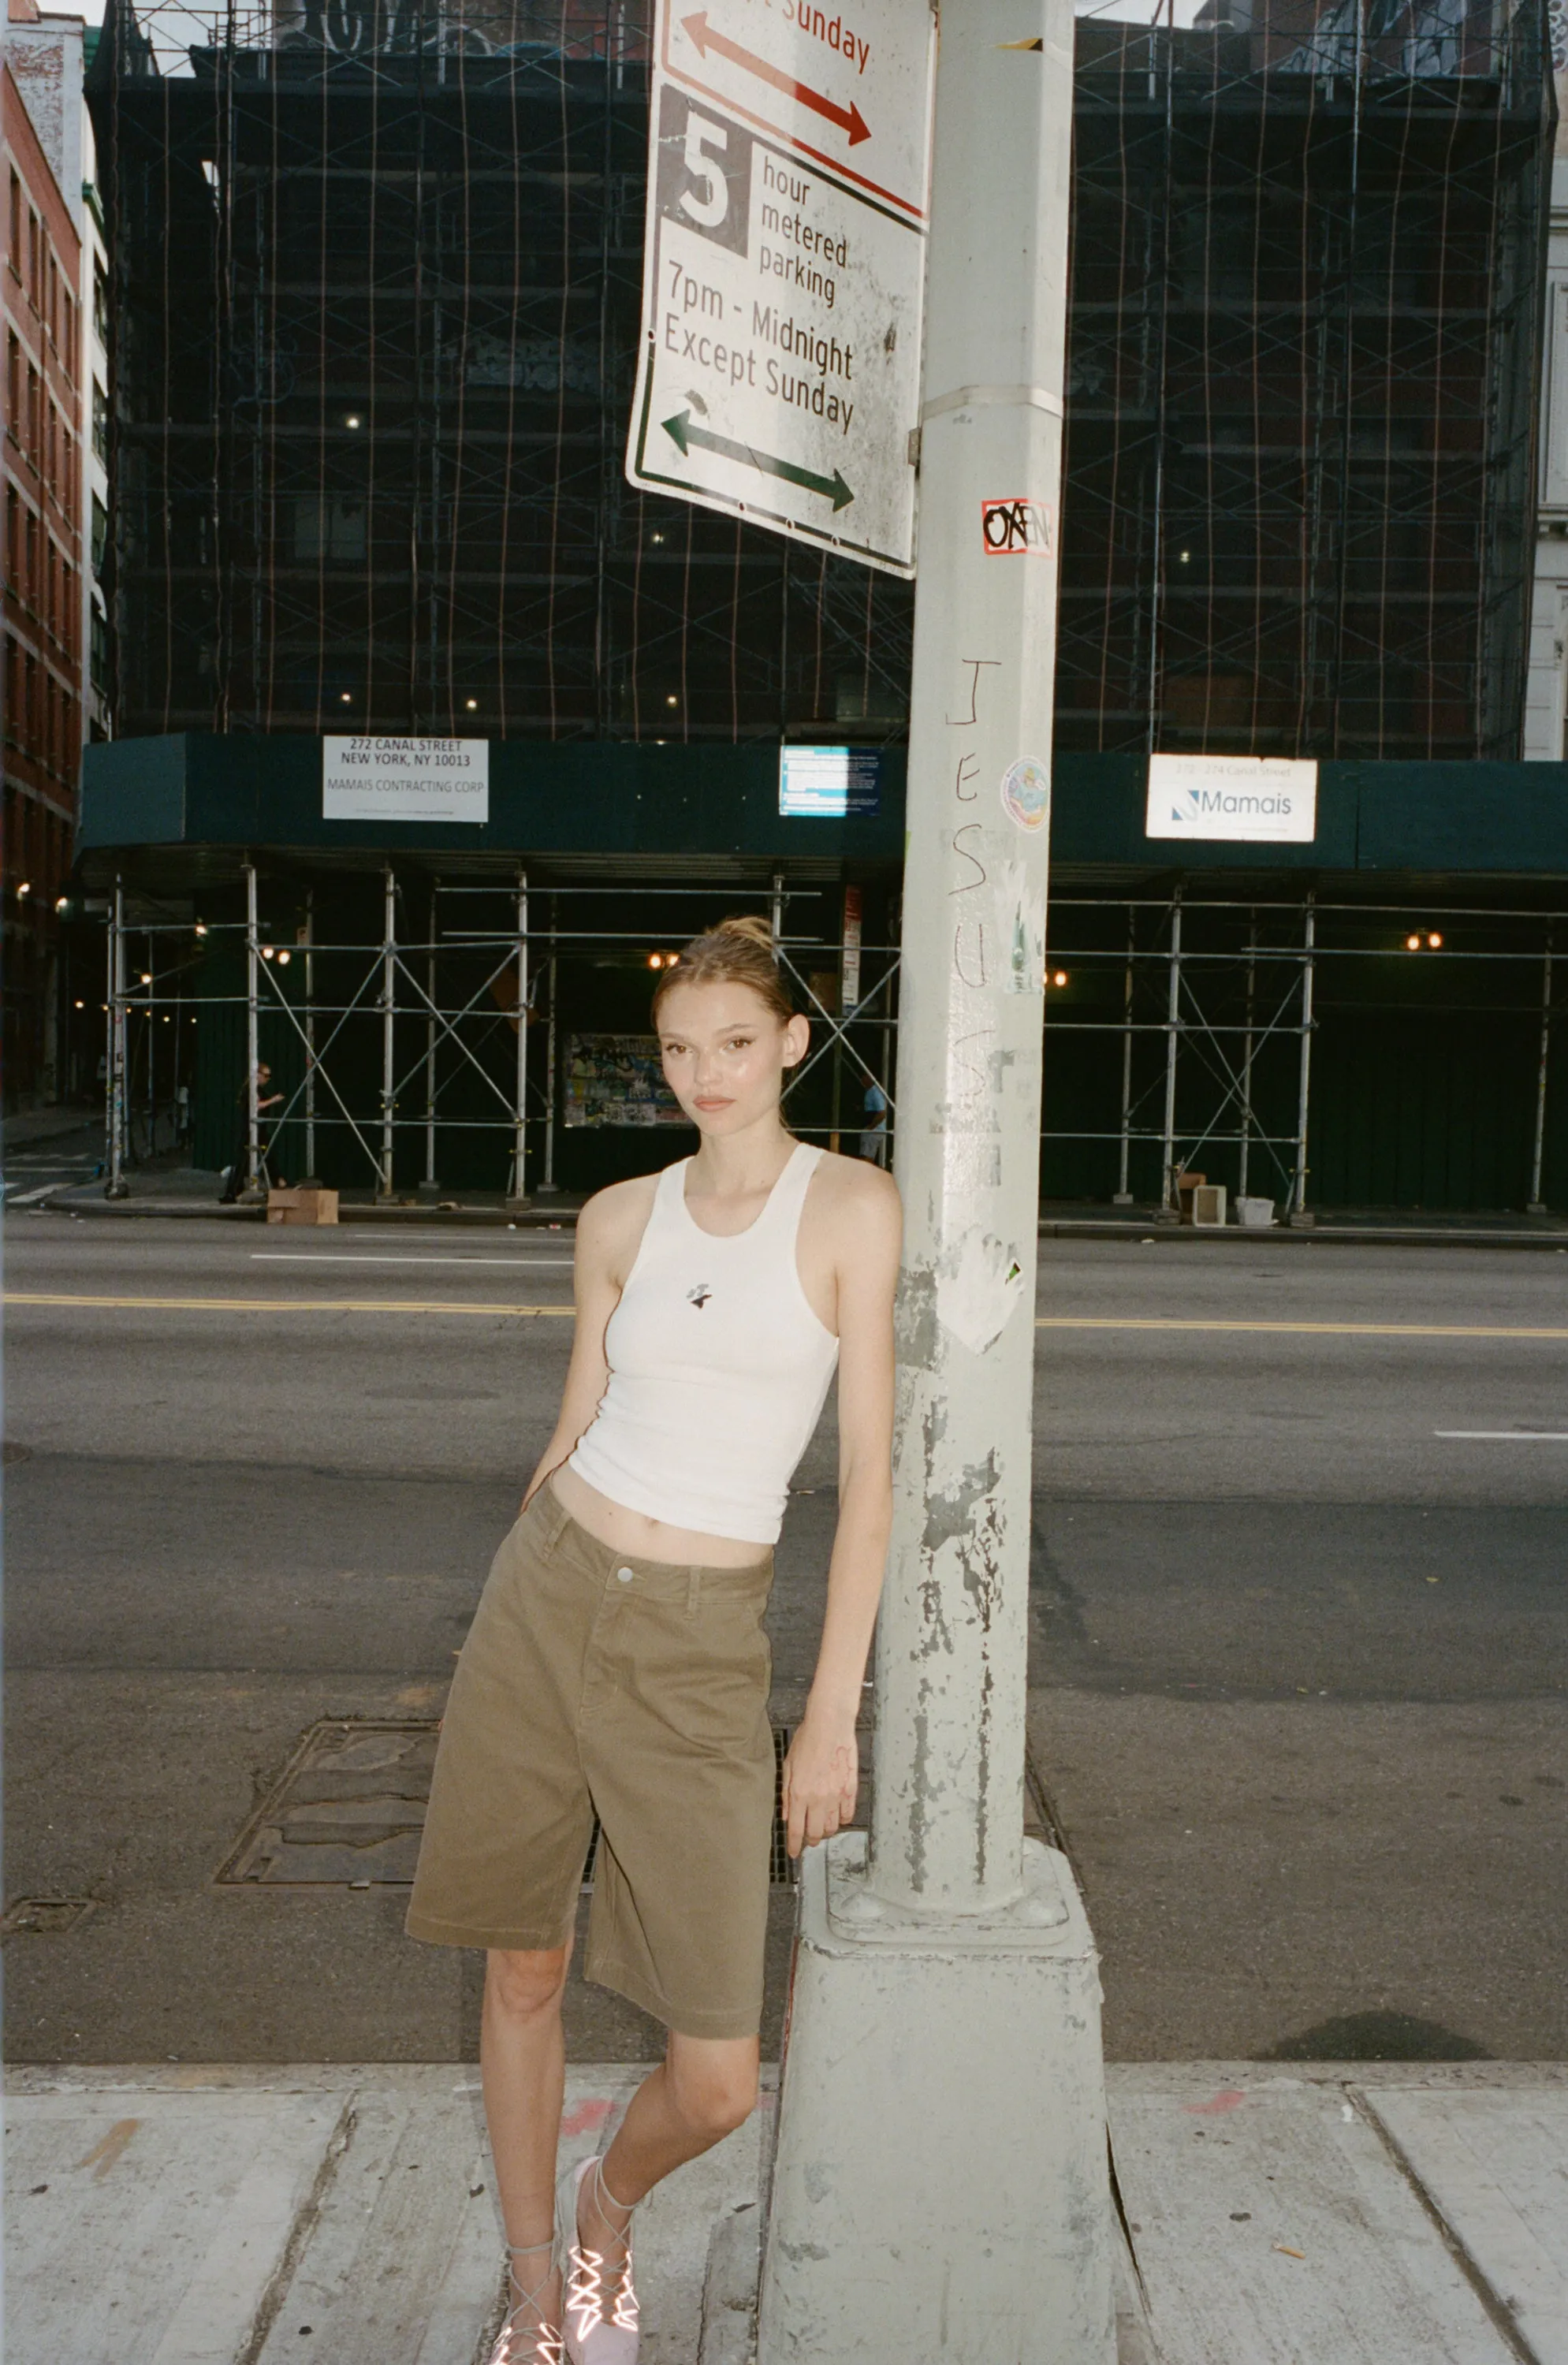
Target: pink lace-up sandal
(536, 2343)
(599, 2306)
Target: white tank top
(718, 1368)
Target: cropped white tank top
(718, 1368)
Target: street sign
(366, 778)
(1259, 800)
(789, 168)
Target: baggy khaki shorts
(592, 1680)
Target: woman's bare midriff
(645, 1539)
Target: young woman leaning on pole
(617, 1663)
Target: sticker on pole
(783, 269)
(1016, 527)
(1026, 793)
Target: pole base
(940, 2186)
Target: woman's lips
(711, 1105)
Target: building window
(100, 535)
(98, 655)
(100, 306)
(34, 269)
(330, 526)
(14, 384)
(15, 246)
(68, 354)
(100, 423)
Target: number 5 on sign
(778, 376)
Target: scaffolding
(376, 270)
(377, 278)
(1233, 1034)
(398, 1047)
(1216, 1004)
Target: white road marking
(319, 1256)
(1508, 1436)
(20, 1198)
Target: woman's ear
(797, 1040)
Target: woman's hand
(822, 1774)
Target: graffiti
(1016, 527)
(976, 665)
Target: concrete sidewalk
(1334, 2214)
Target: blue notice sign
(829, 783)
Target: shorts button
(624, 1575)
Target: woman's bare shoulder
(611, 1223)
(857, 1197)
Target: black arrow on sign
(682, 433)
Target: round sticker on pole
(1026, 793)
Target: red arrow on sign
(848, 118)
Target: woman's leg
(522, 2064)
(704, 2087)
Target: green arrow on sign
(682, 433)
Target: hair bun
(751, 926)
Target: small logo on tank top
(699, 1297)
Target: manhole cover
(349, 1806)
(348, 1809)
(44, 1917)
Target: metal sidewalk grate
(349, 1807)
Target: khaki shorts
(591, 1680)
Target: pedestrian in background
(617, 1662)
(238, 1173)
(874, 1132)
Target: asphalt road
(1300, 1585)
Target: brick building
(40, 281)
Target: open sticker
(1027, 792)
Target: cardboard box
(314, 1206)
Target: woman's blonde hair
(738, 951)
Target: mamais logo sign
(405, 779)
(1259, 800)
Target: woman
(617, 1660)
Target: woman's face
(725, 1054)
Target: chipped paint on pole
(951, 1649)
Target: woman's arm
(822, 1772)
(599, 1268)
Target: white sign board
(783, 269)
(406, 779)
(1264, 799)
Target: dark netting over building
(377, 274)
(377, 279)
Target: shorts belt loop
(693, 1590)
(561, 1519)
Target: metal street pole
(517, 1194)
(940, 2184)
(389, 1026)
(252, 1033)
(116, 1186)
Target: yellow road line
(1293, 1330)
(564, 1312)
(277, 1304)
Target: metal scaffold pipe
(252, 1033)
(1537, 1205)
(520, 1126)
(388, 1027)
(116, 1186)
